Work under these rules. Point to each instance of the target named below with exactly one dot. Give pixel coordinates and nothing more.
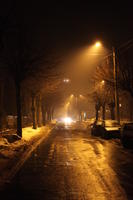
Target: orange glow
(67, 120)
(98, 44)
(67, 104)
(66, 80)
(71, 96)
(102, 82)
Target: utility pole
(76, 98)
(117, 112)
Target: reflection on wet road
(71, 165)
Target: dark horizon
(67, 24)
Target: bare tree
(40, 87)
(125, 64)
(21, 61)
(104, 88)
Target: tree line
(31, 66)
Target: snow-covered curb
(13, 156)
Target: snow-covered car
(106, 129)
(111, 129)
(127, 135)
(97, 128)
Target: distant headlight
(67, 120)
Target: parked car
(111, 129)
(127, 135)
(106, 129)
(97, 128)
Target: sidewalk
(14, 154)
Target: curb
(24, 157)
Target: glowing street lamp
(66, 80)
(71, 96)
(102, 82)
(67, 104)
(98, 44)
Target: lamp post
(117, 112)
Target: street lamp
(71, 96)
(98, 44)
(102, 82)
(66, 80)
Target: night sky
(68, 25)
(75, 23)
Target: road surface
(72, 165)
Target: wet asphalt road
(72, 165)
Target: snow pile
(12, 146)
(11, 137)
(3, 142)
(12, 143)
(29, 133)
(9, 144)
(4, 147)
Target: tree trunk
(97, 107)
(38, 111)
(43, 115)
(103, 112)
(97, 114)
(52, 113)
(33, 112)
(1, 103)
(131, 109)
(49, 114)
(112, 110)
(49, 118)
(18, 102)
(80, 116)
(112, 113)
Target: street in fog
(73, 165)
(66, 100)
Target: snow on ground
(29, 133)
(12, 147)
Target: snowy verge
(14, 151)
